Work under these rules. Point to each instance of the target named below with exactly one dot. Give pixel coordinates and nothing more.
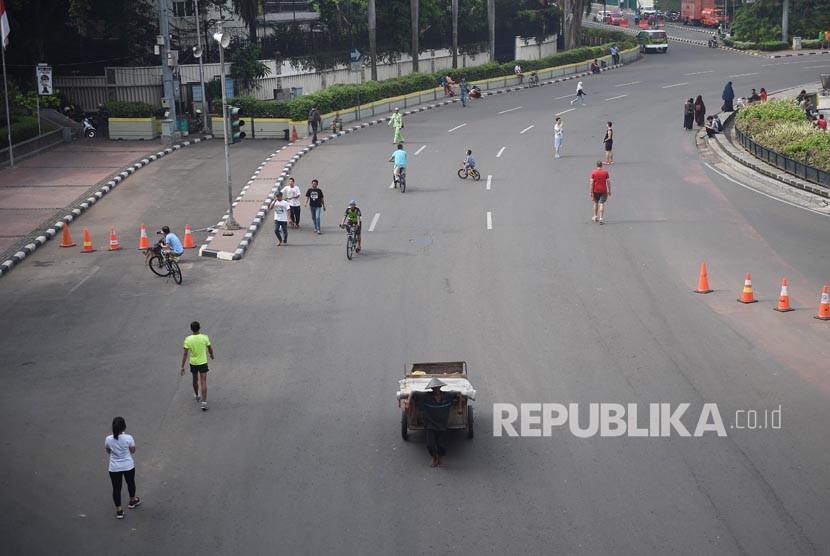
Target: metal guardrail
(783, 162)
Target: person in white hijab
(580, 94)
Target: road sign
(356, 55)
(44, 79)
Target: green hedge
(125, 109)
(23, 128)
(344, 96)
(765, 46)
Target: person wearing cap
(281, 210)
(172, 242)
(396, 121)
(354, 217)
(435, 406)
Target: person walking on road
(396, 121)
(197, 346)
(608, 142)
(600, 190)
(700, 111)
(689, 114)
(281, 210)
(728, 97)
(314, 121)
(316, 202)
(291, 194)
(464, 89)
(121, 446)
(558, 135)
(580, 94)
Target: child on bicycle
(469, 161)
(353, 217)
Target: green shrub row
(767, 46)
(344, 96)
(23, 128)
(129, 109)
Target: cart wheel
(469, 422)
(404, 428)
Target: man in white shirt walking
(281, 210)
(291, 194)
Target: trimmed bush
(126, 109)
(23, 128)
(253, 108)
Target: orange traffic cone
(67, 239)
(746, 296)
(294, 135)
(144, 242)
(87, 242)
(113, 240)
(824, 305)
(703, 281)
(784, 299)
(188, 237)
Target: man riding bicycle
(399, 158)
(172, 243)
(353, 217)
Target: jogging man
(197, 345)
(354, 218)
(172, 242)
(399, 158)
(600, 190)
(558, 135)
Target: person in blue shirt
(399, 159)
(469, 161)
(172, 242)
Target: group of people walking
(287, 207)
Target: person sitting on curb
(595, 66)
(710, 127)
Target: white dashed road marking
(675, 85)
(528, 128)
(501, 150)
(700, 72)
(419, 150)
(565, 96)
(489, 181)
(489, 220)
(615, 98)
(510, 110)
(631, 83)
(374, 222)
(565, 111)
(744, 74)
(456, 127)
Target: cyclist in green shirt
(354, 217)
(197, 345)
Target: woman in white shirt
(121, 447)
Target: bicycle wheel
(156, 264)
(176, 271)
(462, 173)
(402, 182)
(476, 175)
(350, 246)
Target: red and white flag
(4, 24)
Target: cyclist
(469, 161)
(172, 243)
(353, 217)
(399, 158)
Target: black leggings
(115, 477)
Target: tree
(373, 42)
(247, 68)
(491, 28)
(573, 11)
(249, 10)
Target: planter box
(269, 128)
(133, 128)
(217, 127)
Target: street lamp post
(224, 40)
(199, 54)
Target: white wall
(531, 49)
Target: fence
(794, 167)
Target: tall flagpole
(8, 119)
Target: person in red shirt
(600, 191)
(821, 123)
(763, 94)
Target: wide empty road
(301, 453)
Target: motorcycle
(89, 129)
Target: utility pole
(169, 133)
(785, 21)
(491, 28)
(201, 55)
(373, 42)
(414, 9)
(455, 34)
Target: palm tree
(455, 34)
(373, 46)
(248, 10)
(414, 7)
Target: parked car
(601, 15)
(615, 18)
(673, 15)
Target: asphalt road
(301, 453)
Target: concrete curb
(74, 212)
(253, 228)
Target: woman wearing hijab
(580, 93)
(728, 96)
(700, 111)
(689, 114)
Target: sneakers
(204, 406)
(319, 232)
(135, 503)
(557, 155)
(196, 397)
(119, 514)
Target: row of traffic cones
(143, 242)
(747, 295)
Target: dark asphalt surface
(301, 453)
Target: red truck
(702, 12)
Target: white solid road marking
(615, 98)
(374, 222)
(509, 110)
(700, 72)
(675, 85)
(501, 150)
(730, 178)
(528, 128)
(631, 83)
(489, 220)
(419, 150)
(489, 181)
(813, 67)
(787, 63)
(84, 279)
(566, 111)
(456, 127)
(744, 74)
